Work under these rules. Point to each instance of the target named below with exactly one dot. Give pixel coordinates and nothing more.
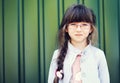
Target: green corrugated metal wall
(28, 31)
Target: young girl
(77, 60)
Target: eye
(85, 24)
(73, 24)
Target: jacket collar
(71, 48)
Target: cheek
(68, 31)
(87, 33)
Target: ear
(91, 30)
(66, 30)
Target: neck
(79, 45)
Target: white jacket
(93, 65)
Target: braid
(60, 60)
(62, 55)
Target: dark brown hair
(75, 13)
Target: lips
(78, 34)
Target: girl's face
(79, 31)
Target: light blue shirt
(93, 65)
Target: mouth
(78, 34)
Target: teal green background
(28, 30)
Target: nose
(78, 28)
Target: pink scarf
(76, 76)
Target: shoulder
(55, 54)
(99, 55)
(97, 52)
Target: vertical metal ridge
(118, 32)
(58, 11)
(23, 40)
(104, 27)
(3, 40)
(44, 61)
(83, 2)
(63, 7)
(78, 1)
(39, 69)
(99, 36)
(19, 67)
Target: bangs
(79, 14)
